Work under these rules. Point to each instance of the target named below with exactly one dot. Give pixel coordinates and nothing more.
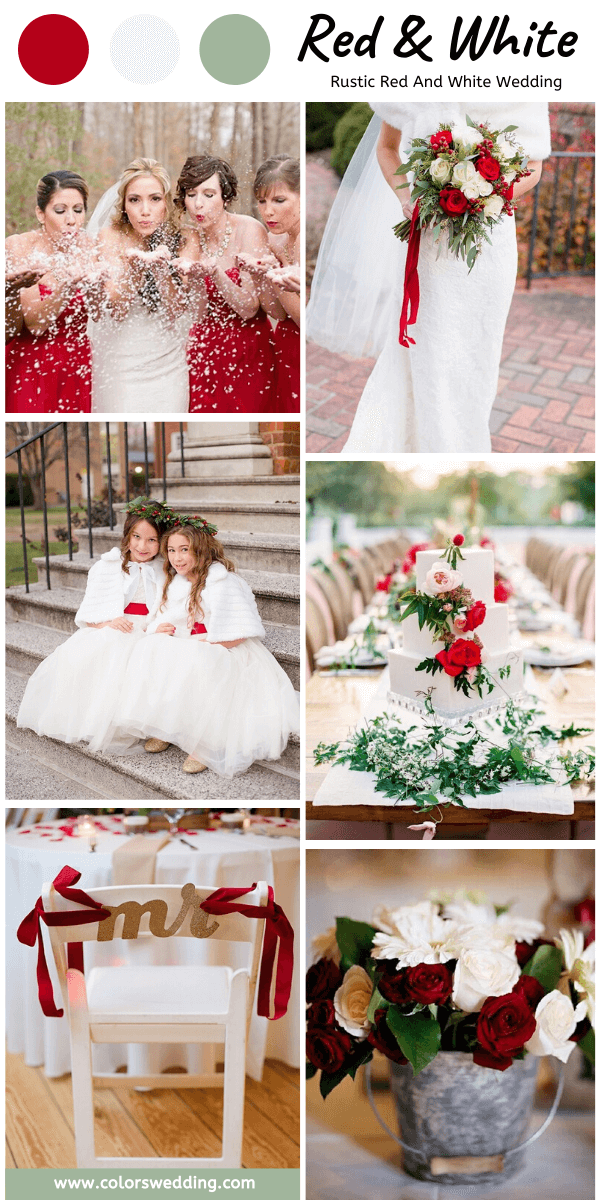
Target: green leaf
(519, 760)
(588, 1045)
(545, 966)
(310, 1071)
(419, 1037)
(377, 1001)
(510, 128)
(354, 939)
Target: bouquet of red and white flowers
(463, 180)
(457, 973)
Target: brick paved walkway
(545, 400)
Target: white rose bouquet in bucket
(438, 985)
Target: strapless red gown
(286, 344)
(53, 371)
(231, 361)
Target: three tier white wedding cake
(464, 640)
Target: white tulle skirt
(73, 694)
(226, 707)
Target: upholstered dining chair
(145, 1004)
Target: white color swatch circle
(144, 49)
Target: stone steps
(279, 552)
(249, 516)
(143, 776)
(197, 488)
(28, 643)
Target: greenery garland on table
(441, 765)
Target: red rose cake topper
(462, 185)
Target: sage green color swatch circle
(234, 49)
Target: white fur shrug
(421, 120)
(109, 590)
(228, 607)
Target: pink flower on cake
(442, 578)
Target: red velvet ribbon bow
(411, 281)
(30, 931)
(278, 935)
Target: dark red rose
(585, 913)
(501, 593)
(526, 950)
(488, 167)
(322, 980)
(504, 1024)
(391, 984)
(460, 655)
(475, 616)
(453, 201)
(328, 1049)
(321, 1013)
(442, 140)
(458, 539)
(382, 1039)
(429, 983)
(530, 989)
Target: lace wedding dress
(139, 363)
(436, 396)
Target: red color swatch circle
(53, 49)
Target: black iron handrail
(64, 425)
(560, 155)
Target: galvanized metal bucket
(462, 1124)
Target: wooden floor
(169, 1123)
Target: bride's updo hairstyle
(206, 550)
(200, 167)
(280, 168)
(57, 181)
(138, 169)
(131, 520)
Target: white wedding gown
(139, 363)
(436, 396)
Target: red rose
(322, 980)
(429, 983)
(501, 593)
(383, 585)
(391, 984)
(321, 1014)
(488, 167)
(382, 1039)
(442, 140)
(530, 989)
(460, 655)
(475, 616)
(585, 913)
(526, 950)
(458, 539)
(453, 201)
(504, 1024)
(411, 556)
(328, 1049)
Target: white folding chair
(204, 1004)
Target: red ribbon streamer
(278, 933)
(198, 628)
(411, 281)
(30, 931)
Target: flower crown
(166, 517)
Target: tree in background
(369, 490)
(39, 138)
(348, 133)
(321, 120)
(580, 485)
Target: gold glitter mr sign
(133, 912)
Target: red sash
(136, 610)
(198, 628)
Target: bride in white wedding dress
(437, 395)
(140, 329)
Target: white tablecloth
(342, 786)
(221, 860)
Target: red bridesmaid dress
(51, 372)
(286, 344)
(231, 361)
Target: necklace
(220, 249)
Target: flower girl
(72, 694)
(201, 677)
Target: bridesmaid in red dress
(48, 360)
(230, 355)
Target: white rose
(351, 1002)
(482, 972)
(484, 185)
(493, 206)
(440, 170)
(442, 578)
(470, 191)
(464, 172)
(503, 149)
(556, 1022)
(467, 136)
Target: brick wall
(283, 440)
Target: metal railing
(65, 425)
(564, 252)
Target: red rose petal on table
(53, 49)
